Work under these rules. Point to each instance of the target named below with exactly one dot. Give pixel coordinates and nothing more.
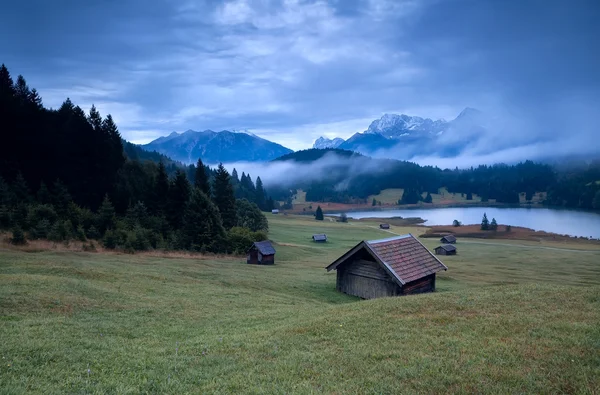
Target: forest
(576, 186)
(66, 174)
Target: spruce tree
(428, 198)
(319, 214)
(106, 215)
(61, 198)
(179, 194)
(95, 119)
(21, 190)
(485, 224)
(260, 195)
(202, 228)
(161, 190)
(493, 224)
(201, 178)
(224, 197)
(43, 194)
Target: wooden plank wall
(365, 279)
(422, 285)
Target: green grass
(392, 195)
(507, 318)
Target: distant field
(508, 317)
(392, 195)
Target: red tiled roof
(404, 257)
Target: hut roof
(320, 236)
(449, 238)
(404, 257)
(447, 247)
(264, 247)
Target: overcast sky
(291, 71)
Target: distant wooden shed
(320, 238)
(446, 249)
(274, 211)
(394, 266)
(448, 239)
(384, 226)
(261, 253)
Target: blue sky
(291, 71)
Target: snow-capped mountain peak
(324, 142)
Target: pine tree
(61, 198)
(95, 119)
(202, 229)
(201, 178)
(22, 91)
(6, 84)
(106, 215)
(43, 194)
(493, 224)
(224, 197)
(260, 195)
(469, 196)
(179, 194)
(374, 203)
(428, 198)
(485, 224)
(21, 190)
(161, 190)
(319, 214)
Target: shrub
(508, 228)
(240, 239)
(41, 212)
(138, 239)
(343, 217)
(456, 223)
(89, 248)
(18, 236)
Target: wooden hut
(448, 239)
(394, 266)
(274, 211)
(384, 226)
(320, 238)
(446, 249)
(261, 253)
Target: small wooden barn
(388, 267)
(384, 226)
(320, 238)
(448, 239)
(274, 211)
(446, 249)
(261, 253)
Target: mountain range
(403, 136)
(391, 136)
(214, 147)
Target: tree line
(575, 188)
(66, 174)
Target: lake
(570, 222)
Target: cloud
(292, 70)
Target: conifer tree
(61, 198)
(493, 224)
(202, 228)
(179, 194)
(95, 119)
(260, 195)
(43, 194)
(21, 190)
(319, 214)
(201, 178)
(224, 197)
(428, 198)
(485, 224)
(106, 215)
(161, 190)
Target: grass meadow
(508, 317)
